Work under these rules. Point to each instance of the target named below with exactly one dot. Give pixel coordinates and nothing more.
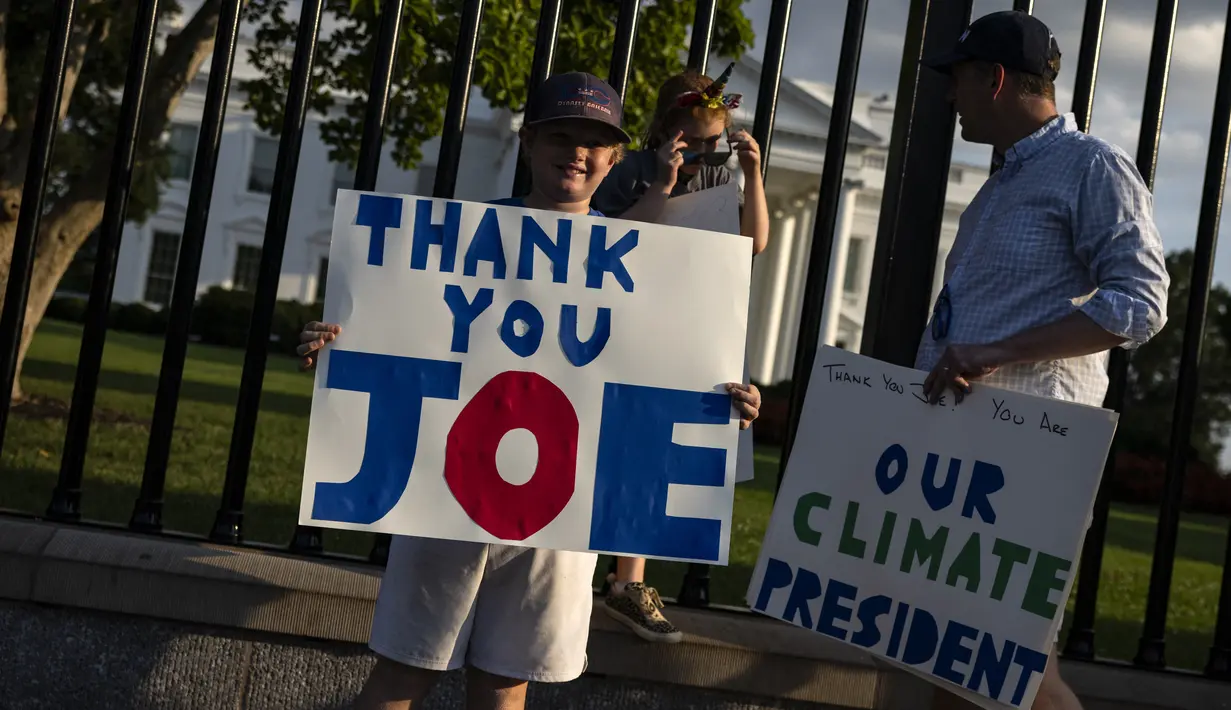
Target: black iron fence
(904, 261)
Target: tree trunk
(72, 218)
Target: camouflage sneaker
(638, 608)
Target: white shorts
(516, 612)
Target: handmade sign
(715, 210)
(527, 377)
(943, 538)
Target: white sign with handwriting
(942, 538)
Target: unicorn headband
(712, 96)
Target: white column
(778, 252)
(831, 317)
(784, 365)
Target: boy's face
(569, 158)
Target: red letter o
(513, 400)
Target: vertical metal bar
(459, 99)
(825, 225)
(147, 514)
(43, 137)
(1219, 664)
(544, 59)
(66, 498)
(913, 205)
(1087, 62)
(622, 50)
(228, 523)
(702, 35)
(695, 587)
(771, 78)
(1080, 641)
(1151, 647)
(306, 538)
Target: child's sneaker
(638, 608)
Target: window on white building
(247, 268)
(261, 172)
(181, 150)
(343, 179)
(955, 175)
(426, 180)
(875, 161)
(160, 275)
(322, 271)
(854, 260)
(867, 202)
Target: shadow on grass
(147, 384)
(1117, 639)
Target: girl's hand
(670, 158)
(747, 150)
(747, 401)
(314, 337)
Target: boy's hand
(747, 150)
(747, 401)
(669, 161)
(314, 337)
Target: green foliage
(502, 66)
(1145, 427)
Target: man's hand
(314, 337)
(747, 401)
(960, 364)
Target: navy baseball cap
(1013, 39)
(577, 95)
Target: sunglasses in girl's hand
(713, 158)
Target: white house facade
(240, 204)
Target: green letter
(920, 546)
(886, 538)
(1042, 581)
(1011, 553)
(803, 508)
(849, 544)
(966, 564)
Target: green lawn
(35, 440)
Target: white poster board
(941, 538)
(715, 210)
(527, 377)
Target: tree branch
(5, 122)
(85, 35)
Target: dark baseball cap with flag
(577, 95)
(1013, 39)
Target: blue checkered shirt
(1066, 225)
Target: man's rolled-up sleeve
(1116, 238)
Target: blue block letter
(603, 258)
(396, 388)
(464, 313)
(427, 234)
(637, 462)
(379, 213)
(577, 352)
(532, 235)
(486, 246)
(527, 343)
(778, 575)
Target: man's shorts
(515, 612)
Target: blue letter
(889, 483)
(427, 234)
(939, 497)
(603, 259)
(577, 352)
(1031, 662)
(899, 625)
(807, 587)
(396, 388)
(464, 313)
(777, 576)
(832, 609)
(921, 639)
(532, 235)
(870, 610)
(952, 651)
(986, 479)
(995, 668)
(486, 246)
(379, 213)
(637, 461)
(527, 343)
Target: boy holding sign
(509, 614)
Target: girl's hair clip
(697, 98)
